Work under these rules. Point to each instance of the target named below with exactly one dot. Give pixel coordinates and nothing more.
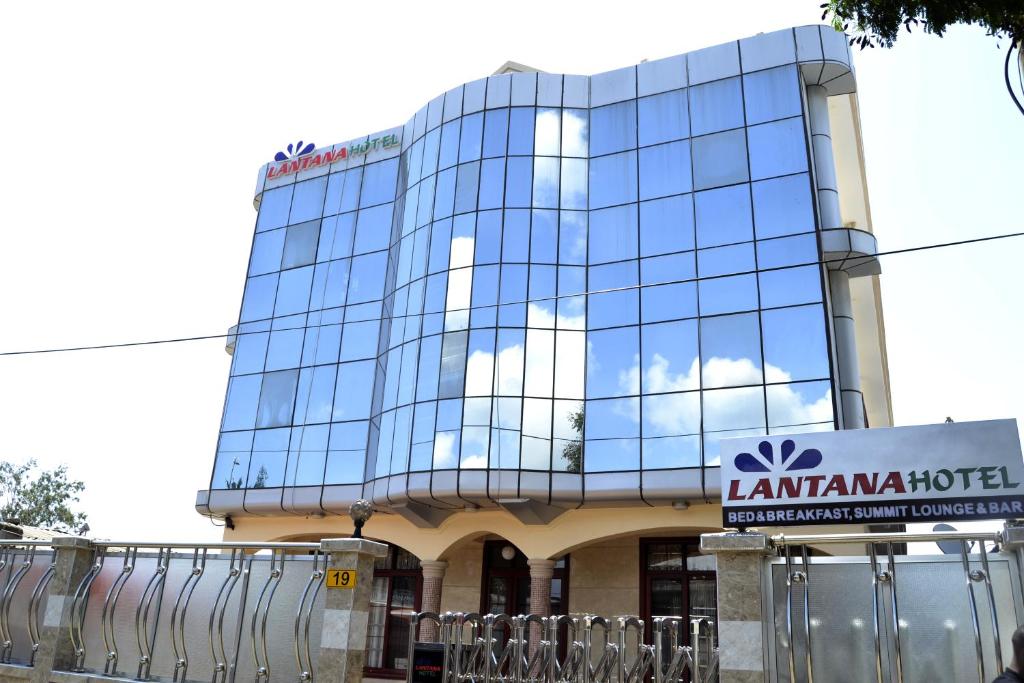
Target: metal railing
(887, 623)
(499, 648)
(140, 602)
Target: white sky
(132, 134)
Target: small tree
(42, 499)
(573, 451)
(878, 22)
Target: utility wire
(225, 335)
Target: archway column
(541, 573)
(433, 578)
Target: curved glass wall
(557, 275)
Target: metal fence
(175, 612)
(528, 648)
(891, 617)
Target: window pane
(354, 391)
(346, 456)
(772, 94)
(574, 132)
(612, 362)
(795, 356)
(778, 148)
(782, 206)
(379, 183)
(515, 244)
(470, 141)
(241, 402)
(723, 216)
(665, 170)
(366, 282)
(545, 182)
(574, 184)
(730, 351)
(258, 301)
(495, 132)
(670, 358)
(613, 128)
(572, 238)
(547, 133)
(467, 186)
(308, 201)
(266, 252)
(453, 364)
(613, 180)
(719, 159)
(520, 131)
(293, 291)
(613, 234)
(716, 106)
(663, 118)
(492, 183)
(269, 452)
(519, 182)
(274, 207)
(804, 403)
(277, 397)
(666, 225)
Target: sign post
(957, 471)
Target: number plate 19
(341, 578)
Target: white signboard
(954, 471)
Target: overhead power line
(225, 335)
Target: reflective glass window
(795, 347)
(613, 234)
(545, 182)
(336, 235)
(485, 297)
(612, 308)
(737, 258)
(480, 363)
(258, 301)
(612, 431)
(241, 403)
(515, 244)
(613, 128)
(440, 245)
(232, 463)
(666, 225)
(274, 207)
(536, 442)
(733, 409)
(668, 302)
(772, 94)
(350, 193)
(293, 291)
(574, 132)
(723, 216)
(574, 184)
(495, 132)
(670, 360)
(800, 404)
(308, 200)
(453, 364)
(669, 452)
(354, 391)
(429, 368)
(379, 181)
(512, 294)
(422, 436)
(250, 352)
(572, 237)
(359, 340)
(730, 351)
(285, 349)
(719, 159)
(663, 118)
(520, 131)
(307, 454)
(277, 397)
(783, 206)
(790, 286)
(335, 186)
(547, 132)
(463, 241)
(467, 187)
(665, 170)
(716, 106)
(269, 454)
(444, 197)
(373, 229)
(542, 292)
(540, 358)
(519, 182)
(492, 183)
(668, 268)
(488, 237)
(613, 360)
(727, 294)
(613, 180)
(470, 140)
(570, 354)
(544, 237)
(366, 282)
(431, 148)
(267, 248)
(315, 395)
(346, 455)
(449, 150)
(778, 148)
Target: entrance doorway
(676, 580)
(506, 585)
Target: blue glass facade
(561, 287)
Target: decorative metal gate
(891, 617)
(498, 648)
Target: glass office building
(546, 292)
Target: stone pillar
(73, 557)
(433, 577)
(347, 610)
(741, 628)
(541, 572)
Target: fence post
(73, 556)
(346, 608)
(741, 629)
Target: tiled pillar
(541, 572)
(73, 559)
(741, 631)
(347, 610)
(433, 577)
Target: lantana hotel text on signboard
(325, 158)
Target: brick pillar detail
(73, 558)
(541, 572)
(433, 578)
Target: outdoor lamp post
(360, 511)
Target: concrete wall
(460, 591)
(604, 578)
